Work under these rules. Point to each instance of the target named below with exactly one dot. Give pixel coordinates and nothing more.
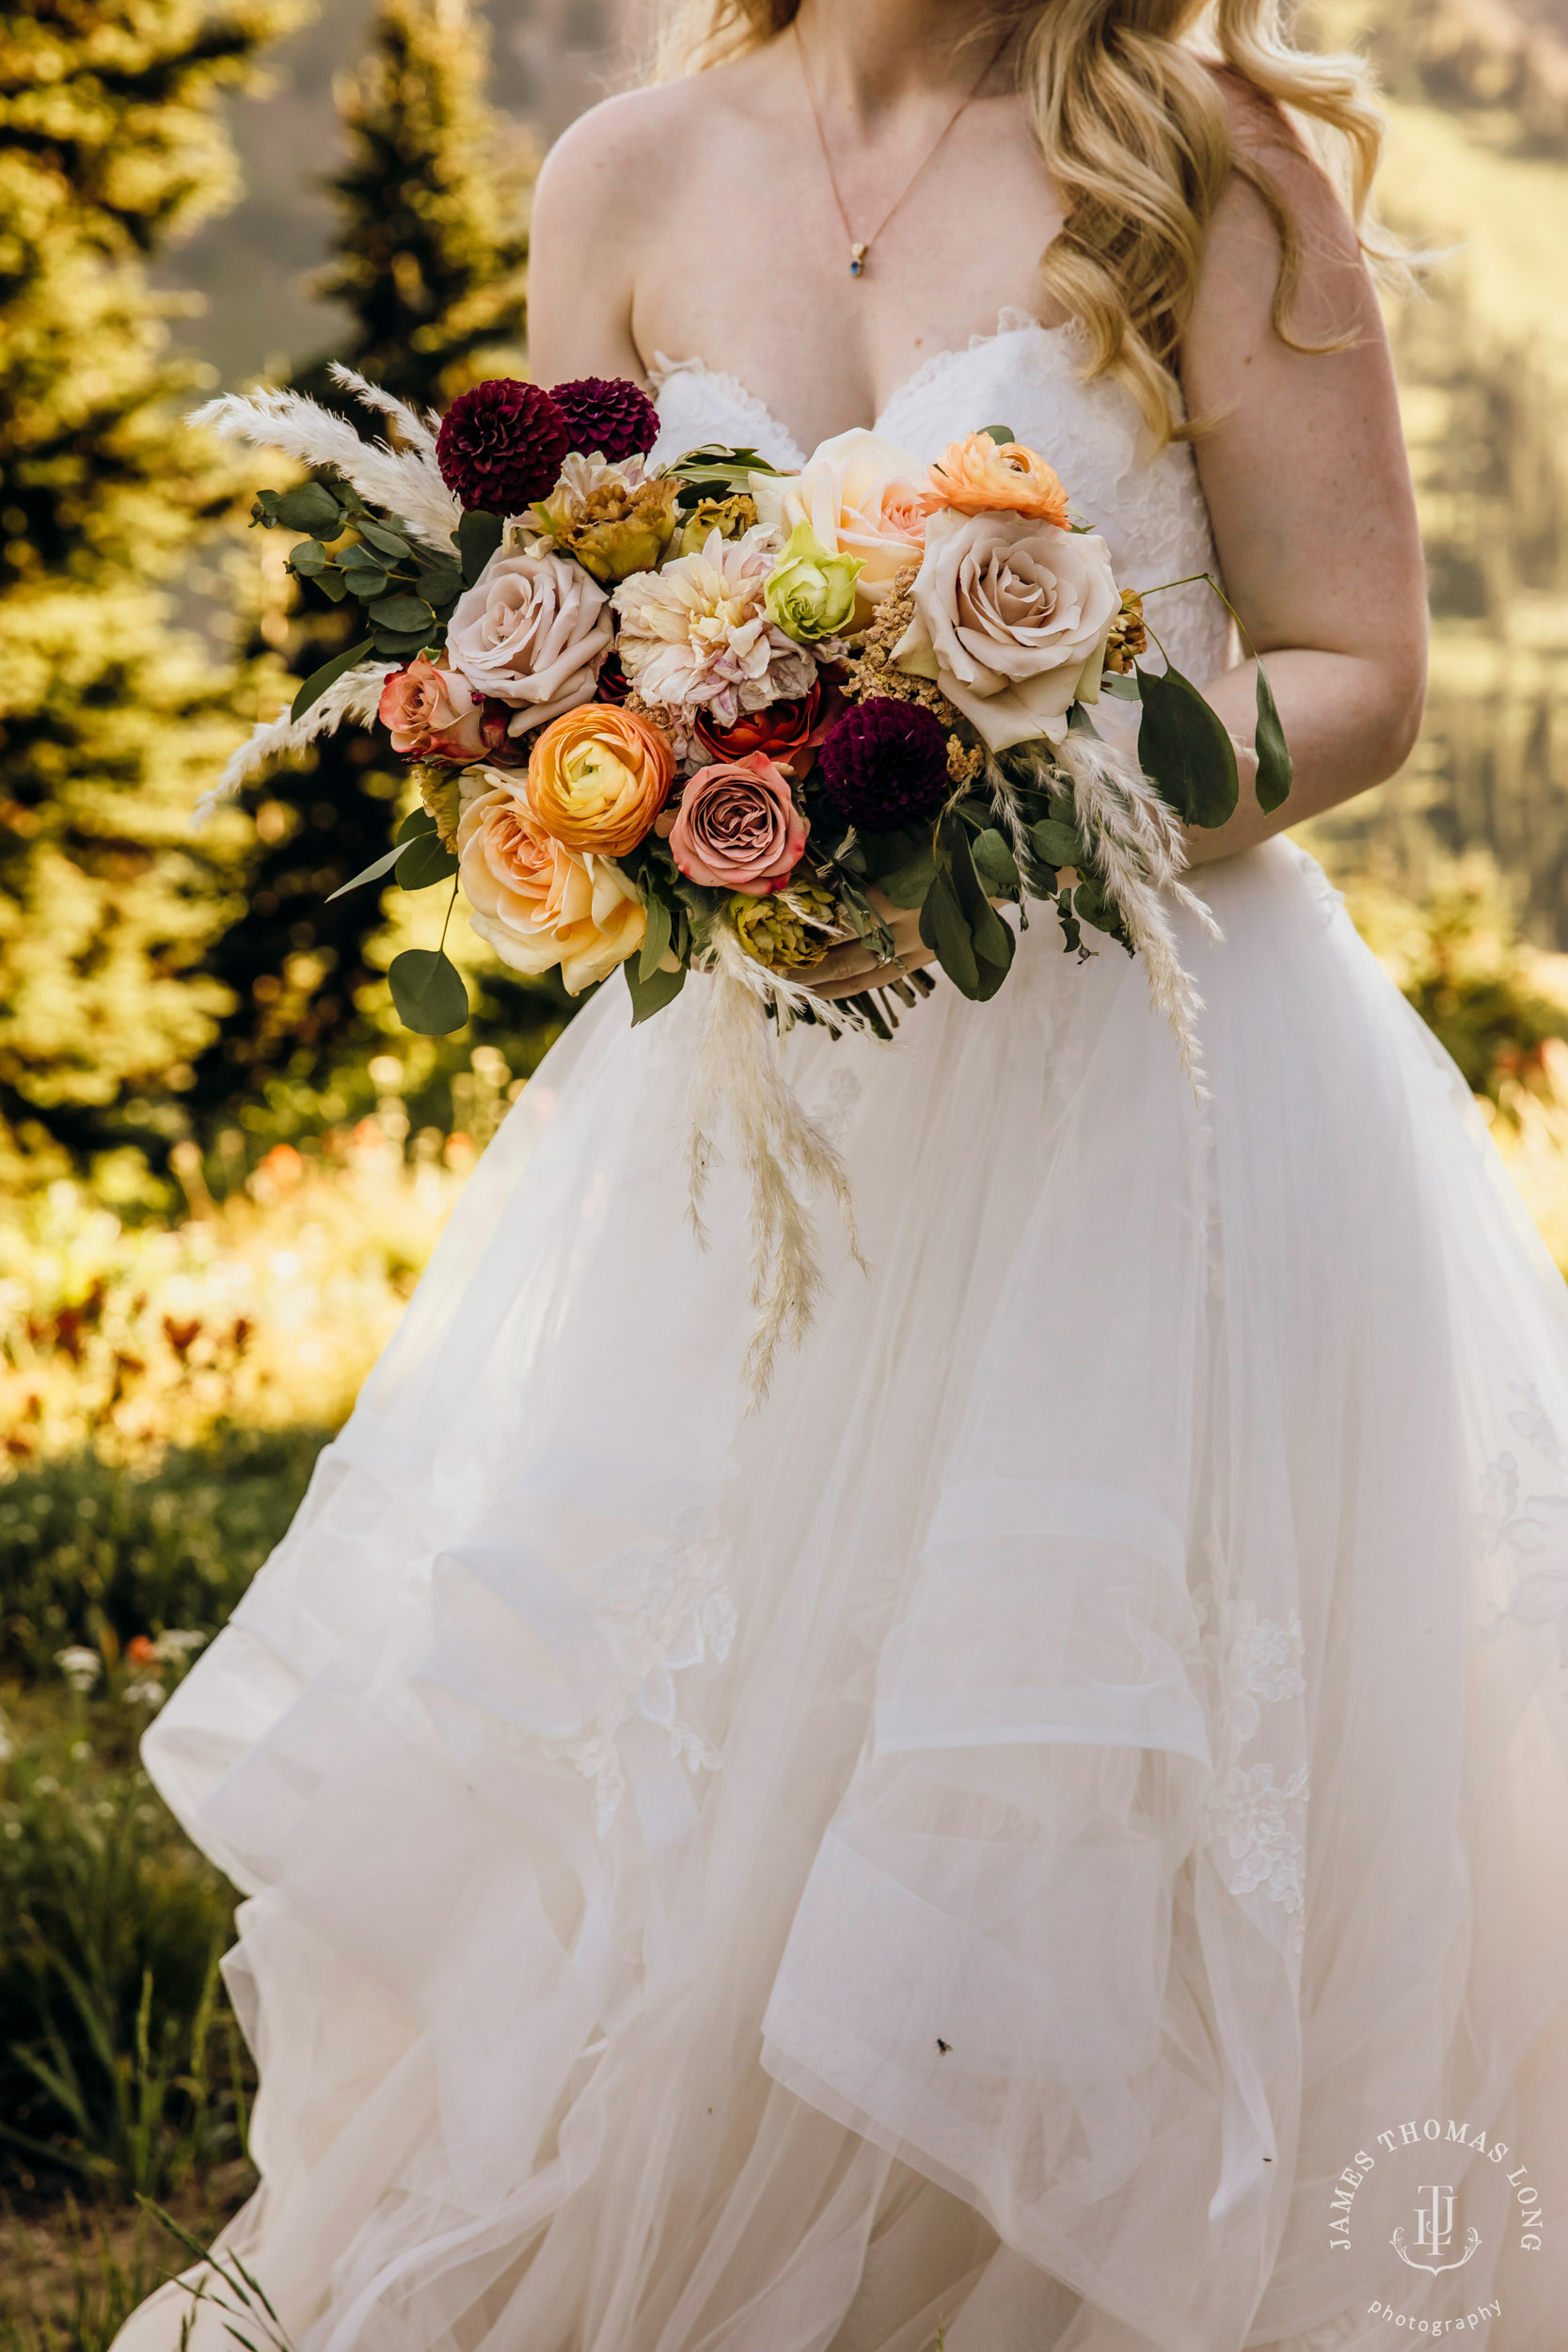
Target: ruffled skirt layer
(992, 1839)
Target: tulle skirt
(998, 1838)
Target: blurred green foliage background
(222, 1164)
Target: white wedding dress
(988, 1839)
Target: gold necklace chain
(860, 247)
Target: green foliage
(1491, 999)
(121, 2065)
(94, 1555)
(429, 262)
(108, 2274)
(431, 251)
(111, 143)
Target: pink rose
(435, 714)
(737, 827)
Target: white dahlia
(698, 632)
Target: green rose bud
(616, 530)
(812, 594)
(789, 931)
(440, 796)
(728, 517)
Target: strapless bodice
(1150, 509)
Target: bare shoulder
(603, 205)
(1279, 175)
(613, 158)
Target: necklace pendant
(856, 260)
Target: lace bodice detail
(1150, 509)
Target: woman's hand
(849, 970)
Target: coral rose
(862, 498)
(981, 476)
(737, 827)
(538, 903)
(1011, 619)
(532, 631)
(435, 714)
(597, 778)
(788, 732)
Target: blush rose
(1011, 618)
(532, 631)
(737, 827)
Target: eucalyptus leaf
(1276, 767)
(993, 941)
(372, 872)
(418, 821)
(907, 885)
(478, 537)
(1122, 687)
(367, 575)
(651, 995)
(394, 647)
(1055, 844)
(428, 991)
(994, 863)
(332, 585)
(943, 930)
(425, 861)
(308, 558)
(440, 585)
(401, 613)
(1183, 746)
(655, 939)
(388, 542)
(310, 507)
(1003, 434)
(330, 672)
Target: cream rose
(539, 904)
(1010, 618)
(861, 497)
(532, 631)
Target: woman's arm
(1305, 475)
(584, 243)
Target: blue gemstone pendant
(856, 260)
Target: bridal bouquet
(689, 718)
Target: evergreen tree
(429, 262)
(111, 145)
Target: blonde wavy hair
(1131, 121)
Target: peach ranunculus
(532, 631)
(434, 713)
(597, 778)
(861, 497)
(538, 903)
(737, 827)
(979, 475)
(1011, 618)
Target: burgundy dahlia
(608, 413)
(502, 446)
(884, 764)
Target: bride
(1035, 1834)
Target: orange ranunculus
(979, 476)
(597, 778)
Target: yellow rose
(597, 778)
(538, 903)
